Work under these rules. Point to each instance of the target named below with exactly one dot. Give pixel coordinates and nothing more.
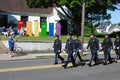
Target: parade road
(44, 69)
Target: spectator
(11, 45)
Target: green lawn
(46, 38)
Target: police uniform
(77, 46)
(117, 47)
(69, 49)
(57, 50)
(94, 46)
(107, 46)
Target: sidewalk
(6, 57)
(33, 56)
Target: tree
(119, 24)
(96, 10)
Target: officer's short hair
(92, 35)
(106, 34)
(56, 35)
(69, 34)
(117, 35)
(76, 35)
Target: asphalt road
(44, 69)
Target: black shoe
(64, 66)
(105, 63)
(96, 63)
(115, 61)
(75, 65)
(110, 62)
(89, 65)
(55, 63)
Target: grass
(45, 38)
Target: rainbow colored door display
(51, 29)
(29, 28)
(36, 28)
(44, 29)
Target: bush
(88, 32)
(97, 34)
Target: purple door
(58, 29)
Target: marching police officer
(96, 57)
(69, 49)
(57, 49)
(107, 46)
(94, 47)
(117, 46)
(77, 46)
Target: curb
(43, 56)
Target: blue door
(51, 29)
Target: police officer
(107, 46)
(117, 46)
(94, 47)
(69, 49)
(57, 49)
(96, 57)
(77, 46)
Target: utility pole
(82, 25)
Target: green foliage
(119, 24)
(90, 29)
(96, 10)
(87, 32)
(94, 7)
(97, 34)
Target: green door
(44, 29)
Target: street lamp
(82, 25)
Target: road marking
(35, 67)
(29, 68)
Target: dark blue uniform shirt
(57, 45)
(69, 46)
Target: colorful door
(29, 28)
(58, 29)
(44, 29)
(51, 29)
(20, 25)
(36, 28)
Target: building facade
(12, 11)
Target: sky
(115, 16)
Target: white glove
(74, 53)
(79, 51)
(97, 51)
(86, 50)
(117, 47)
(58, 50)
(64, 52)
